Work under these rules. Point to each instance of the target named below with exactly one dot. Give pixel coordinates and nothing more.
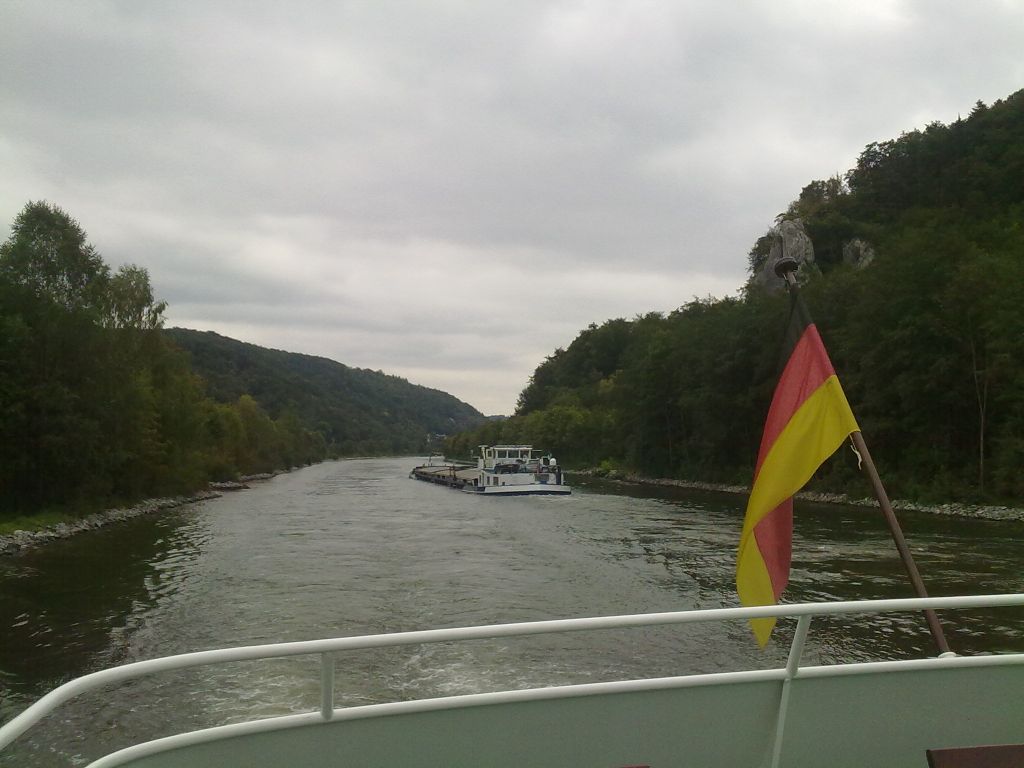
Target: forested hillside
(356, 410)
(98, 405)
(927, 338)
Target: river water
(356, 547)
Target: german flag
(808, 420)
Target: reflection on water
(79, 601)
(356, 547)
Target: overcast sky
(449, 191)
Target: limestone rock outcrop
(789, 238)
(858, 253)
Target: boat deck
(451, 475)
(882, 714)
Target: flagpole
(785, 268)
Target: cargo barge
(501, 470)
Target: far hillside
(913, 268)
(100, 406)
(358, 411)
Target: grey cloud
(340, 176)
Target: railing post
(327, 685)
(796, 650)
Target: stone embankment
(24, 539)
(19, 540)
(956, 510)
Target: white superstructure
(516, 470)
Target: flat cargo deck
(451, 475)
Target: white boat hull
(880, 719)
(531, 489)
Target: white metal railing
(328, 648)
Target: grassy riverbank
(41, 529)
(37, 522)
(25, 531)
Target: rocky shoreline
(992, 512)
(20, 540)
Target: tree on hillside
(47, 253)
(77, 408)
(130, 303)
(96, 406)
